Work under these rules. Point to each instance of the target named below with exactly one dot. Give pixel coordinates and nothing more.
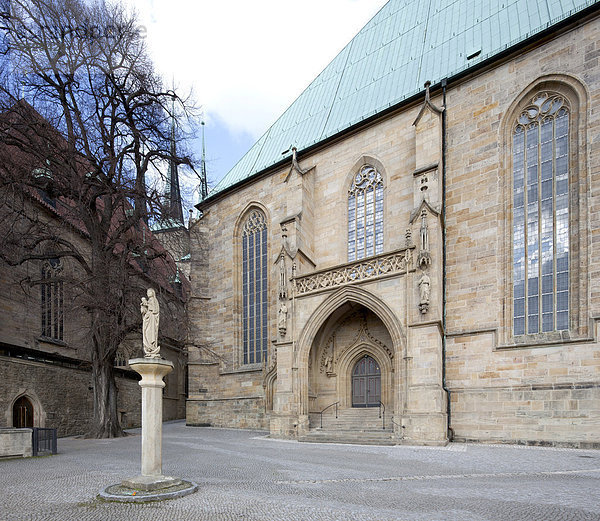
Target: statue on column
(150, 317)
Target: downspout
(450, 431)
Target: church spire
(173, 208)
(203, 182)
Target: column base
(150, 483)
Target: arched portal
(315, 330)
(351, 361)
(23, 413)
(366, 383)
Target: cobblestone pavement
(243, 475)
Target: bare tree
(95, 124)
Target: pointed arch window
(365, 214)
(540, 230)
(52, 300)
(254, 288)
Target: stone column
(152, 370)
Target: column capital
(152, 370)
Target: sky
(245, 61)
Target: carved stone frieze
(387, 264)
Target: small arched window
(52, 300)
(254, 288)
(365, 214)
(540, 230)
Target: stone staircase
(361, 426)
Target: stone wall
(225, 400)
(537, 388)
(61, 396)
(238, 413)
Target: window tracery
(541, 216)
(52, 300)
(365, 214)
(254, 288)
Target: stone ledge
(122, 494)
(15, 442)
(150, 483)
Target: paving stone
(246, 475)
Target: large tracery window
(541, 216)
(365, 214)
(52, 301)
(254, 288)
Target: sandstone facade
(450, 363)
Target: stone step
(351, 413)
(351, 420)
(340, 424)
(357, 438)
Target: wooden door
(23, 413)
(366, 383)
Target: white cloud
(247, 61)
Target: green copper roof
(405, 44)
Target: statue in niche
(424, 292)
(282, 319)
(327, 357)
(282, 278)
(150, 317)
(424, 257)
(329, 365)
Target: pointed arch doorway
(23, 413)
(366, 383)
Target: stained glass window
(541, 216)
(254, 288)
(365, 214)
(52, 301)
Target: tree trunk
(105, 423)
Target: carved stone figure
(329, 365)
(282, 278)
(424, 257)
(150, 317)
(282, 319)
(424, 292)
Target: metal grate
(44, 441)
